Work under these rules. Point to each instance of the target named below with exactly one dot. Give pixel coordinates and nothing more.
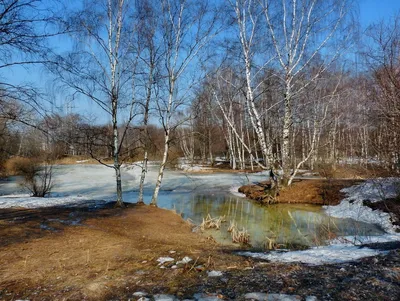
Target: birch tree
(383, 59)
(102, 66)
(300, 32)
(227, 90)
(150, 52)
(247, 16)
(187, 27)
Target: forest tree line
(257, 84)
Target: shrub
(37, 177)
(14, 165)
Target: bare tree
(102, 67)
(187, 26)
(300, 31)
(248, 21)
(150, 52)
(383, 59)
(25, 27)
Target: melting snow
(346, 248)
(318, 255)
(372, 190)
(234, 190)
(192, 168)
(163, 260)
(272, 297)
(33, 202)
(184, 260)
(81, 184)
(214, 274)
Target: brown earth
(353, 171)
(112, 250)
(320, 192)
(112, 253)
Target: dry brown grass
(74, 159)
(321, 192)
(101, 257)
(212, 223)
(14, 165)
(239, 236)
(352, 171)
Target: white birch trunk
(287, 125)
(113, 48)
(161, 171)
(167, 130)
(146, 133)
(117, 165)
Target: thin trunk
(287, 124)
(142, 177)
(167, 130)
(255, 145)
(150, 82)
(117, 165)
(231, 150)
(255, 118)
(250, 154)
(209, 145)
(161, 170)
(242, 148)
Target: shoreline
(76, 253)
(119, 249)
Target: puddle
(282, 225)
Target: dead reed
(238, 236)
(212, 223)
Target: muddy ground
(109, 254)
(319, 192)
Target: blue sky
(375, 10)
(370, 11)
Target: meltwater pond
(269, 226)
(197, 195)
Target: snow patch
(256, 296)
(163, 260)
(164, 298)
(184, 260)
(372, 190)
(206, 297)
(362, 240)
(192, 168)
(272, 297)
(319, 255)
(234, 190)
(214, 274)
(27, 201)
(139, 294)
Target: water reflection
(277, 225)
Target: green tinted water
(282, 225)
